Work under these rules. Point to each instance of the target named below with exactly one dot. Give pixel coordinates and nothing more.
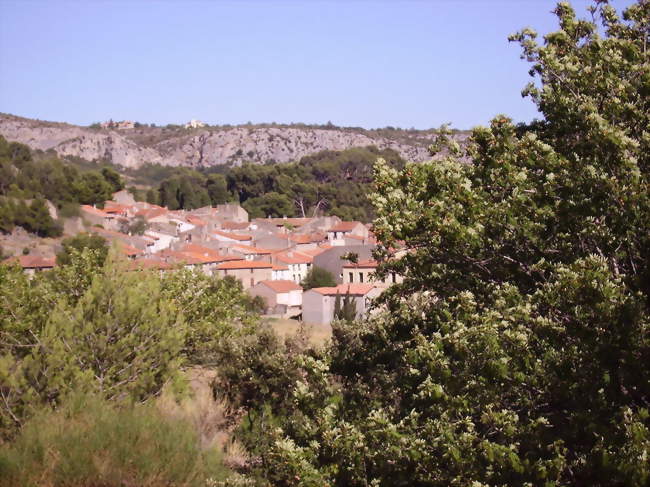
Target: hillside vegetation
(27, 179)
(333, 182)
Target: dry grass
(318, 335)
(207, 415)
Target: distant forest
(335, 182)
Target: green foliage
(83, 241)
(113, 178)
(89, 441)
(317, 277)
(515, 350)
(270, 204)
(216, 309)
(42, 176)
(332, 181)
(346, 310)
(134, 226)
(93, 325)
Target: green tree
(83, 241)
(217, 188)
(215, 309)
(318, 277)
(270, 204)
(514, 351)
(40, 221)
(345, 310)
(113, 178)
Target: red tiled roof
(129, 249)
(152, 213)
(233, 236)
(355, 237)
(195, 220)
(364, 264)
(344, 226)
(235, 225)
(244, 264)
(343, 289)
(182, 257)
(32, 261)
(250, 250)
(316, 251)
(294, 257)
(111, 207)
(280, 267)
(282, 286)
(93, 210)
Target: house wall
(292, 298)
(248, 277)
(331, 258)
(369, 277)
(265, 292)
(316, 308)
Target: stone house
(331, 260)
(336, 235)
(248, 272)
(364, 273)
(281, 297)
(318, 304)
(31, 264)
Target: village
(271, 257)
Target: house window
(361, 277)
(351, 276)
(393, 277)
(252, 282)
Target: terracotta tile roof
(190, 247)
(233, 236)
(317, 251)
(364, 264)
(93, 210)
(32, 261)
(235, 225)
(294, 257)
(344, 226)
(280, 267)
(195, 220)
(111, 207)
(181, 257)
(282, 286)
(152, 213)
(129, 250)
(250, 250)
(343, 289)
(244, 264)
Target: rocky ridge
(202, 147)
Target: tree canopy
(515, 351)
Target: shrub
(89, 442)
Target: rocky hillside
(178, 146)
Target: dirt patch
(317, 334)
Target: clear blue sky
(353, 62)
